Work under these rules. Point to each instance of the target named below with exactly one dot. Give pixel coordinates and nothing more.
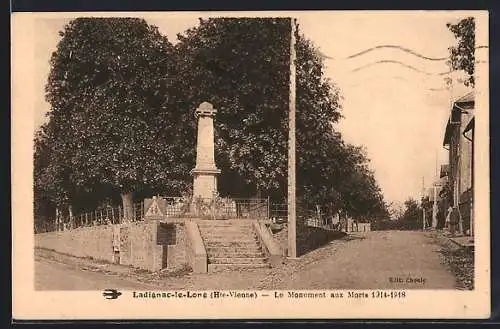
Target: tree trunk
(57, 219)
(71, 219)
(128, 206)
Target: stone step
(221, 253)
(227, 230)
(235, 267)
(234, 249)
(217, 238)
(236, 260)
(229, 237)
(225, 221)
(213, 223)
(233, 244)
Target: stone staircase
(231, 245)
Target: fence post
(268, 207)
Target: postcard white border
(31, 304)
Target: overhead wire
(400, 63)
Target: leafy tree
(396, 210)
(44, 193)
(241, 66)
(462, 55)
(412, 217)
(111, 115)
(123, 100)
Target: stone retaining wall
(149, 245)
(95, 242)
(138, 246)
(308, 238)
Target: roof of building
(467, 101)
(467, 98)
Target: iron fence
(101, 216)
(178, 207)
(278, 211)
(315, 219)
(214, 208)
(171, 207)
(311, 218)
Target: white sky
(400, 123)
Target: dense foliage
(411, 218)
(123, 99)
(462, 55)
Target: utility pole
(292, 211)
(423, 209)
(471, 231)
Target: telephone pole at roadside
(423, 208)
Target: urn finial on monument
(205, 109)
(205, 172)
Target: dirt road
(51, 275)
(386, 260)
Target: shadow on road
(317, 238)
(351, 237)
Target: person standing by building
(448, 217)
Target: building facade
(458, 140)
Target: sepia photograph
(299, 156)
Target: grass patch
(182, 270)
(461, 263)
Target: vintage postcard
(250, 165)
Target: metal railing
(278, 211)
(311, 218)
(216, 208)
(171, 207)
(100, 216)
(179, 207)
(316, 219)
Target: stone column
(205, 172)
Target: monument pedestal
(205, 182)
